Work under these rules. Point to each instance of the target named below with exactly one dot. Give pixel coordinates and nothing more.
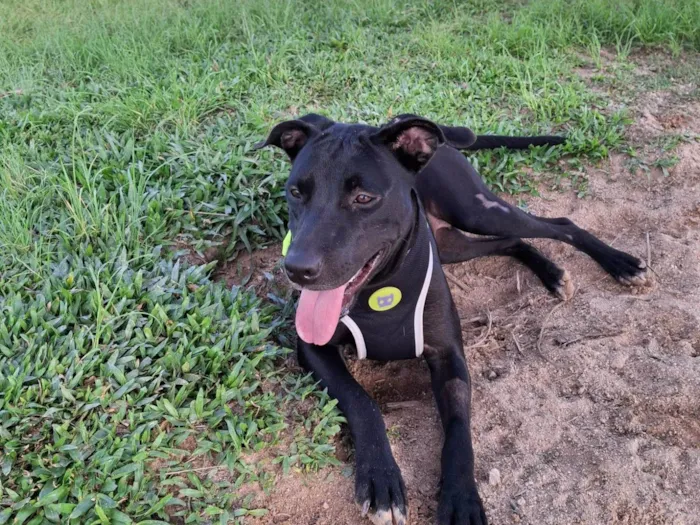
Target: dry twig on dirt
(483, 338)
(452, 277)
(517, 343)
(648, 252)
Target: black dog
(362, 204)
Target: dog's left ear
(290, 135)
(413, 140)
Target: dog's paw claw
(381, 517)
(641, 279)
(384, 517)
(626, 269)
(565, 289)
(399, 517)
(638, 278)
(365, 508)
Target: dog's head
(351, 206)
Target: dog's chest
(387, 319)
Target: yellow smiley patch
(385, 299)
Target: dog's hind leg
(452, 191)
(454, 246)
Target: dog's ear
(458, 137)
(318, 121)
(290, 135)
(413, 140)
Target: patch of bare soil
(590, 409)
(259, 269)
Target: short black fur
(334, 237)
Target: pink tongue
(318, 314)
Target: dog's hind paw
(557, 280)
(564, 289)
(640, 277)
(628, 270)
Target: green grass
(126, 126)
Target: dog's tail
(465, 139)
(500, 141)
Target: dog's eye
(363, 198)
(295, 193)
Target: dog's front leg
(379, 488)
(460, 503)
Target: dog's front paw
(460, 505)
(380, 491)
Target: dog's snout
(302, 268)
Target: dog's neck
(401, 248)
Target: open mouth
(357, 280)
(318, 312)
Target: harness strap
(418, 316)
(356, 332)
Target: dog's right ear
(413, 140)
(291, 136)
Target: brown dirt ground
(590, 409)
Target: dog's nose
(302, 268)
